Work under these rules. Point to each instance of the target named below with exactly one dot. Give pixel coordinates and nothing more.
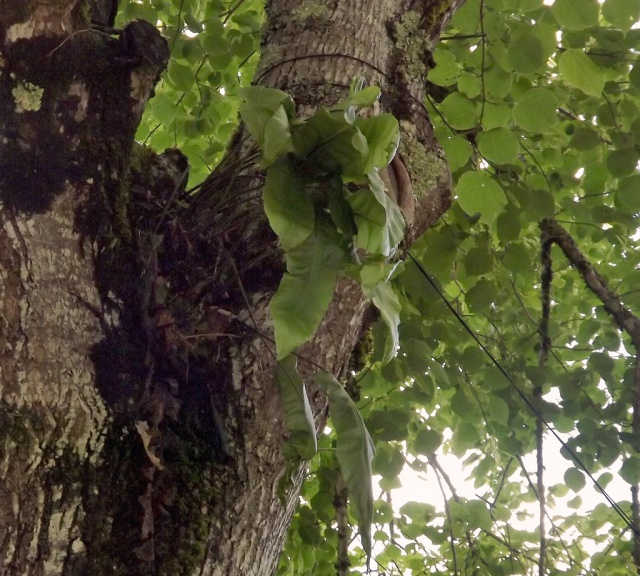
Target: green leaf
(461, 405)
(628, 194)
(467, 434)
(276, 138)
(601, 363)
(478, 193)
(359, 99)
(508, 225)
(478, 261)
(517, 258)
(395, 225)
(213, 39)
(575, 503)
(473, 358)
(584, 139)
(181, 75)
(630, 471)
(498, 83)
(386, 301)
(459, 111)
(446, 70)
(536, 111)
(465, 18)
(419, 512)
(574, 479)
(192, 23)
(576, 14)
(579, 71)
(564, 424)
(481, 296)
(333, 144)
(622, 162)
(339, 208)
(297, 410)
(496, 115)
(457, 149)
(389, 459)
(605, 479)
(266, 112)
(499, 410)
(427, 442)
(370, 220)
(164, 108)
(374, 273)
(250, 20)
(498, 145)
(378, 218)
(469, 85)
(526, 53)
(621, 13)
(355, 451)
(478, 515)
(383, 136)
(287, 204)
(306, 289)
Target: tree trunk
(140, 428)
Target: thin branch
(635, 428)
(340, 505)
(433, 460)
(447, 511)
(483, 43)
(505, 474)
(554, 528)
(230, 12)
(392, 536)
(460, 37)
(553, 232)
(535, 161)
(545, 345)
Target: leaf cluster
(214, 51)
(327, 203)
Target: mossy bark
(140, 428)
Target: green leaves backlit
(579, 71)
(478, 193)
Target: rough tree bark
(140, 429)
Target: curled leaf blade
(297, 410)
(354, 451)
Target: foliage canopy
(538, 110)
